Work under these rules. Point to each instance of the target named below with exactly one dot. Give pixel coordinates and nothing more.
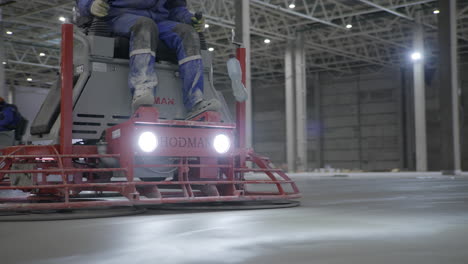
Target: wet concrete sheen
(341, 221)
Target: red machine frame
(203, 175)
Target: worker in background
(144, 21)
(12, 124)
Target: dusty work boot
(204, 106)
(142, 97)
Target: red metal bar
(258, 170)
(123, 184)
(189, 166)
(58, 171)
(61, 156)
(66, 104)
(194, 124)
(106, 203)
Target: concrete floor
(342, 220)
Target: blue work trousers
(177, 36)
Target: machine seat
(50, 110)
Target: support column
(3, 90)
(290, 108)
(296, 106)
(243, 36)
(420, 101)
(318, 122)
(449, 88)
(301, 103)
(11, 94)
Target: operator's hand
(100, 8)
(198, 23)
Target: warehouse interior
(358, 103)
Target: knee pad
(190, 41)
(144, 37)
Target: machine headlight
(148, 142)
(222, 144)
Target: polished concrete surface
(421, 219)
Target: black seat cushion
(163, 53)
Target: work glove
(100, 8)
(198, 23)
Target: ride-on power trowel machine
(87, 142)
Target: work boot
(204, 106)
(142, 97)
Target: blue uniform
(9, 117)
(133, 19)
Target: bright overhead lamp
(416, 56)
(211, 49)
(207, 25)
(9, 33)
(4, 63)
(62, 19)
(29, 79)
(267, 41)
(436, 11)
(349, 26)
(292, 6)
(42, 54)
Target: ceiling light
(62, 19)
(29, 79)
(349, 26)
(211, 49)
(416, 56)
(9, 32)
(267, 41)
(42, 54)
(292, 6)
(207, 25)
(436, 11)
(4, 63)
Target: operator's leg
(143, 34)
(184, 39)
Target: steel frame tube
(243, 37)
(66, 103)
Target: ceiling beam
(388, 10)
(289, 11)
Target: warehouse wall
(359, 122)
(269, 117)
(269, 125)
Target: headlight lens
(148, 142)
(222, 144)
